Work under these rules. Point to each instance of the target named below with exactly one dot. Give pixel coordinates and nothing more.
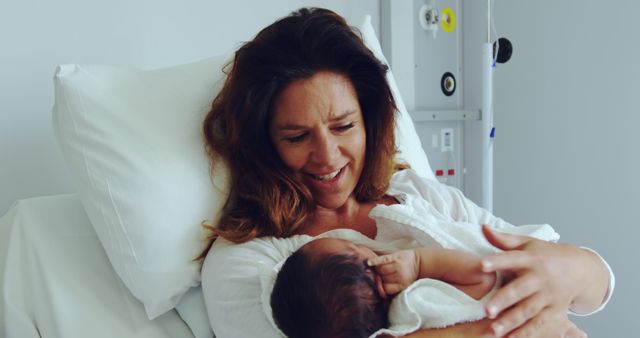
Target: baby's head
(325, 289)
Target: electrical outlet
(446, 139)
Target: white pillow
(133, 143)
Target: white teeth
(327, 177)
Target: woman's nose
(325, 150)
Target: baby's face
(336, 246)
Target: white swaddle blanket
(430, 303)
(427, 303)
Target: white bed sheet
(56, 280)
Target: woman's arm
(560, 326)
(550, 321)
(452, 203)
(547, 277)
(232, 282)
(478, 329)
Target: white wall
(567, 117)
(36, 35)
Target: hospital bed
(58, 282)
(115, 259)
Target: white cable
(495, 33)
(492, 24)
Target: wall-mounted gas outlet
(446, 139)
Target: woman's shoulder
(409, 181)
(232, 278)
(446, 199)
(411, 175)
(243, 259)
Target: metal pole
(488, 21)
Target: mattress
(56, 280)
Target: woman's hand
(397, 270)
(547, 280)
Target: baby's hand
(397, 270)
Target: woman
(305, 123)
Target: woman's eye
(295, 139)
(345, 127)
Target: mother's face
(318, 131)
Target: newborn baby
(332, 287)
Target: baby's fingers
(392, 288)
(386, 270)
(380, 260)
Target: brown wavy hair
(264, 199)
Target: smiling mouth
(328, 177)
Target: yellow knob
(448, 21)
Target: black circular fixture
(448, 84)
(505, 49)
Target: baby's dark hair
(327, 296)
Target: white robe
(237, 279)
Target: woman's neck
(351, 215)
